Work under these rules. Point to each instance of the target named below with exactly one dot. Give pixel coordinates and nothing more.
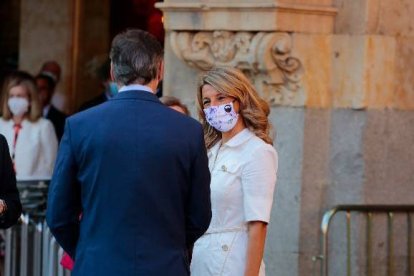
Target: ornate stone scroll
(265, 57)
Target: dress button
(225, 247)
(224, 168)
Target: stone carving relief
(265, 57)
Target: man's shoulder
(89, 114)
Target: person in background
(46, 81)
(52, 69)
(144, 195)
(243, 165)
(109, 87)
(175, 103)
(31, 139)
(46, 88)
(10, 206)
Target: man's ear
(161, 71)
(111, 72)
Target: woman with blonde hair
(243, 166)
(31, 139)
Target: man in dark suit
(46, 87)
(109, 88)
(10, 206)
(136, 170)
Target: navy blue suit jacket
(138, 172)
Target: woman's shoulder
(3, 121)
(253, 149)
(5, 125)
(257, 144)
(41, 122)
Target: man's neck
(153, 85)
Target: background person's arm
(49, 146)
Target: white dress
(243, 178)
(36, 148)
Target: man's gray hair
(136, 57)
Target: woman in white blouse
(243, 165)
(32, 140)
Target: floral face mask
(221, 117)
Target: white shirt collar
(240, 138)
(46, 110)
(236, 140)
(135, 87)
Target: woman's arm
(255, 247)
(49, 147)
(258, 184)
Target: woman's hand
(3, 206)
(256, 240)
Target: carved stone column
(264, 56)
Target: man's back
(141, 175)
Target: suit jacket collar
(136, 95)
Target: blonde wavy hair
(26, 80)
(253, 110)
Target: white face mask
(18, 106)
(222, 117)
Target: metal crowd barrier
(30, 249)
(368, 211)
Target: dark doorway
(9, 36)
(136, 14)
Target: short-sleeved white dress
(243, 178)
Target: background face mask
(112, 89)
(221, 117)
(18, 106)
